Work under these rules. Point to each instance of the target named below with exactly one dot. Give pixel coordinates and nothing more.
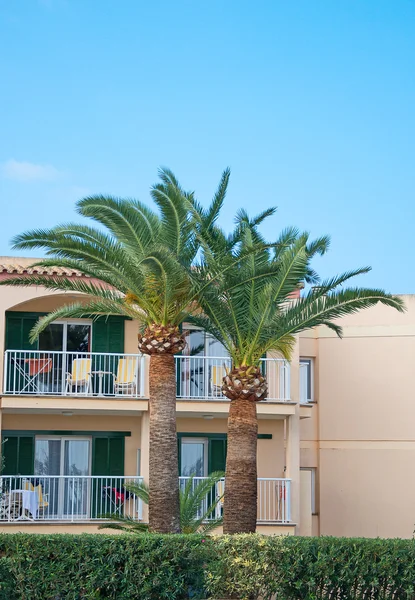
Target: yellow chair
(80, 378)
(126, 379)
(220, 491)
(216, 379)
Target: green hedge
(147, 567)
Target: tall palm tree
(250, 310)
(139, 267)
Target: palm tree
(250, 310)
(198, 506)
(139, 267)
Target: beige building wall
(361, 436)
(45, 422)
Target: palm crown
(139, 267)
(251, 308)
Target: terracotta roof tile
(21, 266)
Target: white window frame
(63, 439)
(313, 471)
(61, 480)
(205, 442)
(65, 323)
(306, 360)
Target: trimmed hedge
(147, 567)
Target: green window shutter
(18, 327)
(116, 457)
(107, 461)
(26, 456)
(100, 447)
(19, 455)
(116, 328)
(108, 335)
(217, 455)
(108, 456)
(10, 451)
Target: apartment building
(335, 440)
(74, 417)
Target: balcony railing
(274, 500)
(67, 498)
(200, 377)
(41, 373)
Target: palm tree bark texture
(161, 342)
(163, 475)
(244, 386)
(240, 505)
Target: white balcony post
(292, 432)
(6, 360)
(145, 454)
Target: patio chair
(42, 498)
(220, 490)
(10, 507)
(125, 382)
(216, 379)
(80, 378)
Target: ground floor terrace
(70, 472)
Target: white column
(292, 460)
(293, 463)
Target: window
(306, 380)
(66, 336)
(313, 472)
(201, 343)
(61, 464)
(202, 367)
(194, 457)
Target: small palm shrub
(199, 503)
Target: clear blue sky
(310, 102)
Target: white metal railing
(214, 495)
(95, 498)
(67, 498)
(274, 500)
(200, 377)
(42, 373)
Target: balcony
(200, 377)
(41, 373)
(67, 498)
(69, 374)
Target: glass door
(76, 462)
(203, 371)
(66, 341)
(51, 342)
(193, 368)
(64, 460)
(194, 457)
(194, 463)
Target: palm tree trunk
(164, 516)
(240, 504)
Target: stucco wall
(83, 423)
(270, 451)
(362, 435)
